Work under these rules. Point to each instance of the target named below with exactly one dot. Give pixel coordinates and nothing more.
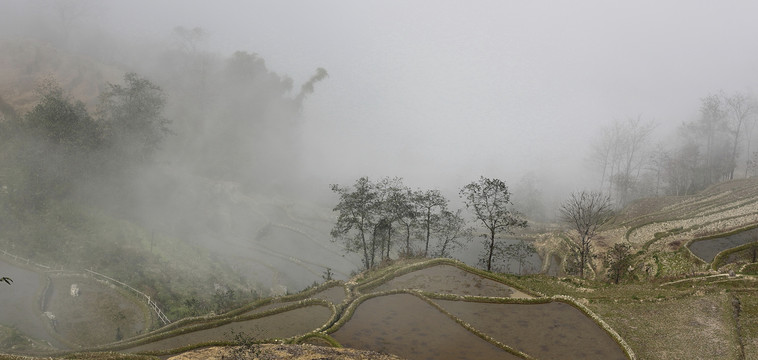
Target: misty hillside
(483, 180)
(202, 197)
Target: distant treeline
(704, 151)
(71, 173)
(59, 144)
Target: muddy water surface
(707, 249)
(546, 331)
(471, 254)
(98, 315)
(447, 279)
(283, 325)
(334, 294)
(267, 307)
(21, 302)
(407, 326)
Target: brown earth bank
(258, 352)
(282, 352)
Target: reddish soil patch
(285, 352)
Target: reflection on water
(708, 249)
(20, 301)
(283, 325)
(334, 294)
(407, 326)
(546, 331)
(471, 253)
(447, 279)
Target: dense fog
(267, 103)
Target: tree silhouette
(490, 201)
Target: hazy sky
(451, 90)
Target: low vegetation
(82, 178)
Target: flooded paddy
(21, 302)
(283, 325)
(546, 331)
(98, 315)
(267, 307)
(334, 295)
(448, 279)
(470, 256)
(407, 326)
(708, 249)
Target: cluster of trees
(59, 144)
(377, 219)
(240, 120)
(236, 120)
(706, 150)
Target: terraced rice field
(391, 316)
(40, 306)
(410, 325)
(708, 249)
(98, 315)
(20, 310)
(697, 327)
(544, 331)
(282, 325)
(407, 326)
(721, 208)
(447, 279)
(335, 295)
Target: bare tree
(708, 130)
(620, 154)
(658, 159)
(69, 12)
(393, 204)
(408, 216)
(451, 232)
(429, 203)
(749, 127)
(520, 251)
(635, 134)
(586, 212)
(490, 201)
(605, 154)
(740, 110)
(189, 39)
